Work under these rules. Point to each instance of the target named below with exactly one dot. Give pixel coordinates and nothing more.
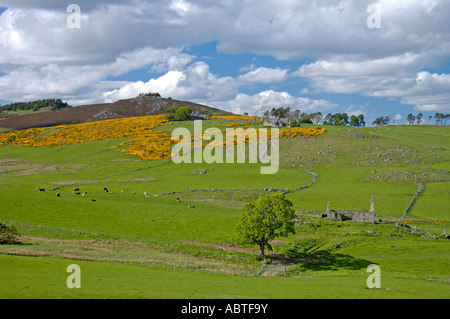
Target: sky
(377, 58)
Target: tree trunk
(262, 255)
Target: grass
(108, 280)
(130, 246)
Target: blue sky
(235, 55)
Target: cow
(42, 190)
(74, 190)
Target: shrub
(8, 234)
(182, 113)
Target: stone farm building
(272, 121)
(361, 216)
(199, 116)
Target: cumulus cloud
(195, 83)
(42, 57)
(253, 103)
(38, 81)
(264, 75)
(390, 77)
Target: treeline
(55, 104)
(439, 118)
(296, 117)
(150, 94)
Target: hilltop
(139, 106)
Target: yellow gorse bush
(235, 117)
(146, 143)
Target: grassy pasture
(25, 276)
(156, 247)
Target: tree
(8, 235)
(265, 219)
(354, 121)
(294, 115)
(337, 119)
(419, 118)
(326, 119)
(54, 104)
(280, 112)
(439, 118)
(382, 120)
(345, 118)
(316, 118)
(361, 120)
(150, 94)
(410, 119)
(182, 113)
(295, 123)
(304, 118)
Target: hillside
(155, 228)
(138, 106)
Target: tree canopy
(265, 219)
(55, 104)
(182, 113)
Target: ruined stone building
(360, 216)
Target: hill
(136, 240)
(139, 106)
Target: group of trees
(150, 94)
(182, 113)
(440, 119)
(55, 104)
(343, 119)
(296, 117)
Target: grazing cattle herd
(76, 191)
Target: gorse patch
(146, 143)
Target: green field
(130, 246)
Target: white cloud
(195, 83)
(41, 56)
(35, 82)
(391, 77)
(253, 103)
(264, 75)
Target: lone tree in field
(265, 219)
(8, 235)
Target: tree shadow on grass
(322, 260)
